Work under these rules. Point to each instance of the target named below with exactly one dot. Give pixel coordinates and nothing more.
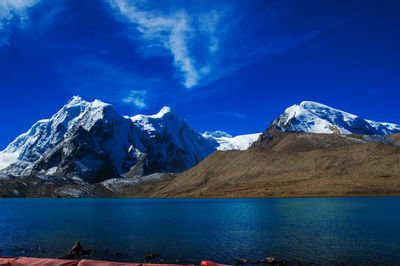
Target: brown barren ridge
(295, 165)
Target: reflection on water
(308, 230)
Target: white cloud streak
(208, 23)
(173, 31)
(137, 98)
(10, 10)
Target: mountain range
(88, 149)
(91, 142)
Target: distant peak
(76, 97)
(79, 101)
(315, 117)
(308, 106)
(164, 111)
(311, 104)
(76, 100)
(97, 102)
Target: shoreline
(223, 197)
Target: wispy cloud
(205, 42)
(13, 10)
(211, 42)
(174, 31)
(137, 98)
(208, 23)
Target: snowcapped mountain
(45, 134)
(318, 118)
(227, 142)
(91, 142)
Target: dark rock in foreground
(76, 246)
(150, 256)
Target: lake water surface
(329, 231)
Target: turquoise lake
(310, 231)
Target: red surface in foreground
(4, 261)
(210, 263)
(7, 261)
(45, 262)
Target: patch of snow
(52, 170)
(7, 158)
(119, 183)
(71, 192)
(16, 193)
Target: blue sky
(223, 65)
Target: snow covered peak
(165, 111)
(98, 103)
(80, 112)
(46, 133)
(314, 117)
(166, 118)
(74, 107)
(313, 105)
(76, 100)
